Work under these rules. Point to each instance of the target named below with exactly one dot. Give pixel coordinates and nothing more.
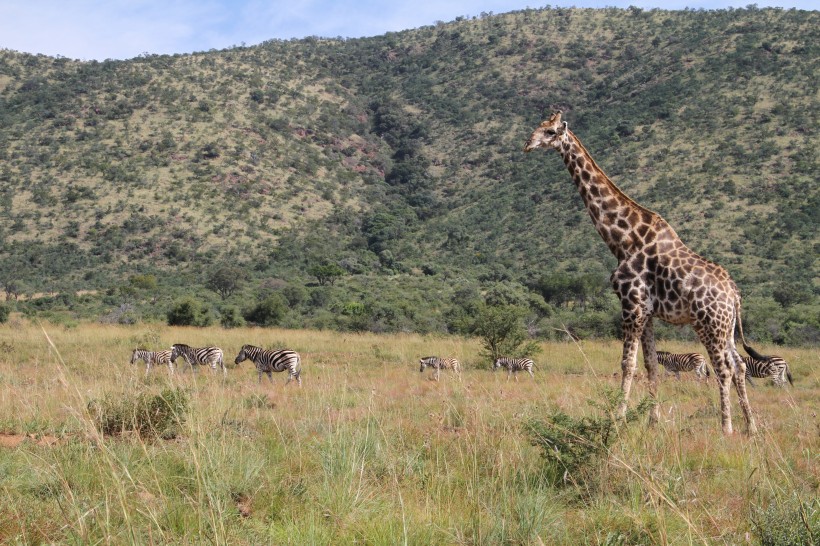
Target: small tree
(326, 273)
(225, 280)
(4, 314)
(502, 332)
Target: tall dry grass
(370, 450)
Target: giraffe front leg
(650, 360)
(739, 379)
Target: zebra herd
(757, 365)
(268, 361)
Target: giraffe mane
(618, 190)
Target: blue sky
(123, 29)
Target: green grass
(371, 451)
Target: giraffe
(657, 276)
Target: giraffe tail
(754, 354)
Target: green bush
(791, 522)
(148, 415)
(230, 317)
(189, 312)
(268, 312)
(4, 314)
(573, 447)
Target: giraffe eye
(550, 132)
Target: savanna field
(370, 451)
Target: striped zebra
(758, 365)
(152, 358)
(272, 360)
(514, 365)
(439, 364)
(212, 356)
(687, 362)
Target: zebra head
(242, 356)
(496, 364)
(426, 361)
(135, 356)
(176, 350)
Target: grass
(371, 451)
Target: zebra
(514, 365)
(758, 365)
(211, 356)
(687, 362)
(272, 360)
(152, 357)
(439, 364)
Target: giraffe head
(550, 134)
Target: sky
(124, 29)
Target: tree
(225, 280)
(502, 332)
(327, 273)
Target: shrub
(572, 447)
(4, 314)
(231, 318)
(793, 521)
(268, 312)
(188, 312)
(148, 415)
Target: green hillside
(399, 160)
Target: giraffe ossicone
(657, 276)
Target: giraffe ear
(554, 118)
(562, 128)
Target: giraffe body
(657, 276)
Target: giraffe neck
(624, 225)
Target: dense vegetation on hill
(379, 183)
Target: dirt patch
(14, 440)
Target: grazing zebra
(152, 358)
(272, 360)
(514, 365)
(688, 362)
(211, 356)
(439, 364)
(758, 365)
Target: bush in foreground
(148, 415)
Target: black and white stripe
(686, 362)
(272, 360)
(439, 364)
(758, 365)
(514, 365)
(211, 356)
(152, 358)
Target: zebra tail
(789, 376)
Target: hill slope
(399, 157)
